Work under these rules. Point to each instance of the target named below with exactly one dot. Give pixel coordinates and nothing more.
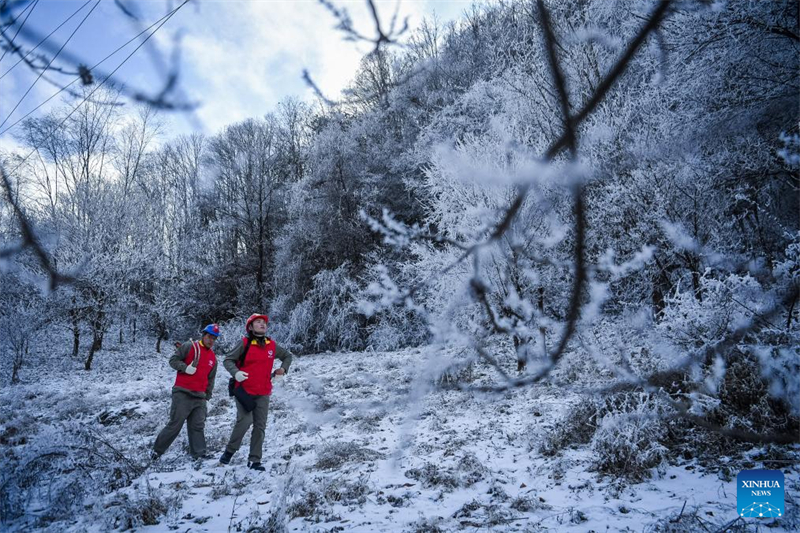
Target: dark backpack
(239, 363)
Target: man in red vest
(196, 364)
(250, 363)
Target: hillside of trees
(372, 223)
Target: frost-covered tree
(641, 215)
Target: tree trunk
(698, 290)
(97, 337)
(693, 262)
(542, 330)
(21, 355)
(76, 340)
(661, 287)
(521, 361)
(97, 342)
(791, 310)
(161, 329)
(658, 299)
(76, 330)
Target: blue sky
(239, 58)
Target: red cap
(253, 318)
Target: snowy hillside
(544, 256)
(355, 442)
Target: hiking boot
(256, 466)
(226, 457)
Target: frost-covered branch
(30, 239)
(169, 97)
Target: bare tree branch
(347, 27)
(511, 212)
(159, 101)
(29, 238)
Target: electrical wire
(11, 42)
(58, 127)
(67, 86)
(43, 40)
(50, 63)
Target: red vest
(258, 365)
(199, 380)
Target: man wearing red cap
(250, 364)
(196, 364)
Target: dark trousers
(185, 408)
(258, 419)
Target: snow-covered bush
(385, 337)
(61, 471)
(395, 329)
(347, 492)
(333, 297)
(525, 504)
(144, 508)
(577, 427)
(327, 318)
(230, 483)
(294, 330)
(758, 391)
(308, 504)
(468, 471)
(461, 372)
(471, 470)
(432, 475)
(788, 269)
(483, 514)
(368, 419)
(389, 327)
(692, 319)
(335, 454)
(428, 525)
(626, 430)
(289, 491)
(315, 498)
(22, 313)
(691, 521)
(756, 381)
(630, 440)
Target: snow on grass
(355, 442)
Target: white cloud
(9, 144)
(238, 58)
(241, 58)
(14, 86)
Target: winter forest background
(596, 196)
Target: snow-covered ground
(355, 442)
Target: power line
(43, 40)
(67, 86)
(35, 148)
(11, 42)
(50, 63)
